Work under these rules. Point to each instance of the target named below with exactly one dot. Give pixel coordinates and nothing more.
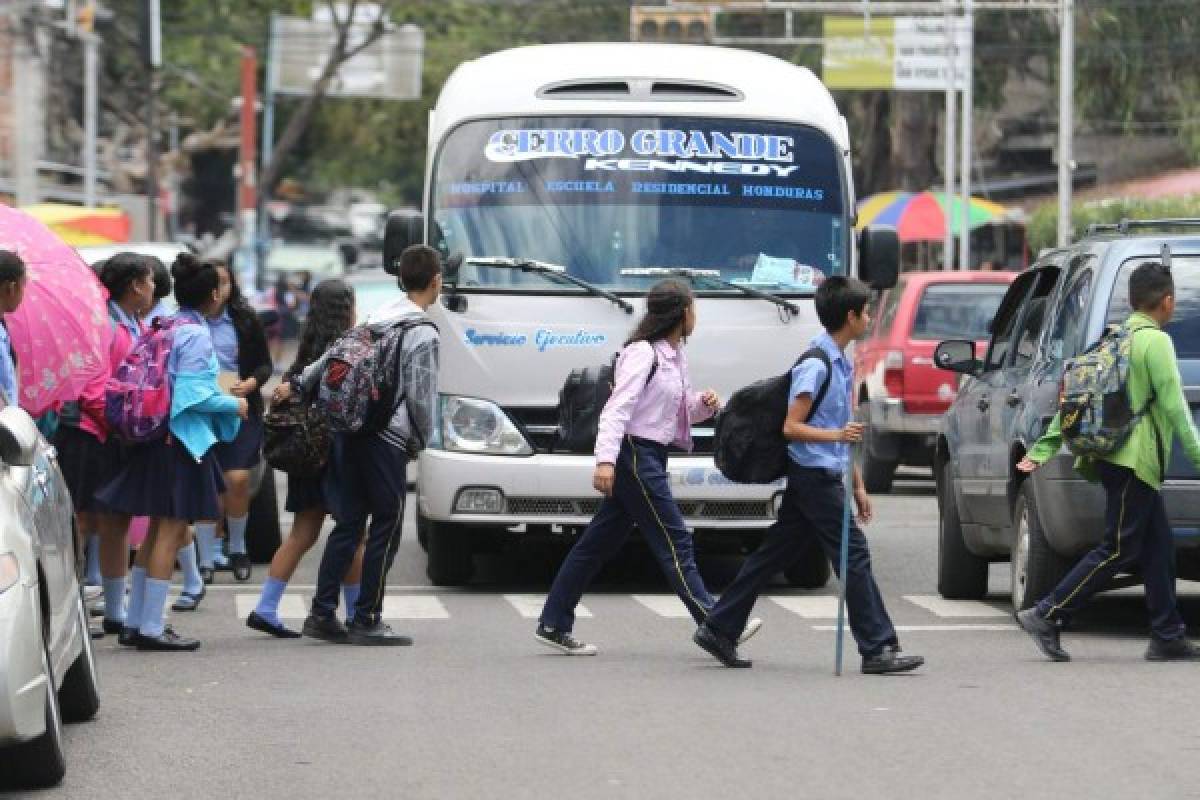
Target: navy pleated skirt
(305, 493)
(245, 451)
(162, 479)
(86, 464)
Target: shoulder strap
(819, 397)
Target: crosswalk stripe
(819, 607)
(291, 605)
(529, 606)
(963, 609)
(935, 628)
(665, 605)
(396, 606)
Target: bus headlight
(470, 425)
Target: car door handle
(984, 403)
(1014, 399)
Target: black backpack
(748, 442)
(581, 400)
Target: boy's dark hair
(838, 296)
(12, 268)
(195, 280)
(1149, 283)
(419, 265)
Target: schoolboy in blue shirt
(814, 500)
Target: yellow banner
(859, 53)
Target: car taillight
(893, 373)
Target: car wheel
(878, 474)
(810, 571)
(39, 762)
(1036, 569)
(263, 535)
(451, 555)
(80, 692)
(962, 575)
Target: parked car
(1044, 522)
(47, 664)
(901, 395)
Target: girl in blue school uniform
(177, 479)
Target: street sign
(390, 68)
(900, 53)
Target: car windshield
(957, 310)
(1184, 328)
(762, 203)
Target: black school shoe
(1172, 650)
(890, 661)
(720, 648)
(127, 637)
(375, 633)
(112, 626)
(258, 622)
(167, 641)
(239, 564)
(327, 629)
(1044, 634)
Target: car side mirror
(18, 437)
(957, 355)
(879, 257)
(404, 228)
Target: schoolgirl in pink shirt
(653, 407)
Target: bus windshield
(609, 197)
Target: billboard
(899, 53)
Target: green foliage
(1043, 224)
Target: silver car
(47, 665)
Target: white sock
(192, 582)
(137, 594)
(206, 539)
(236, 527)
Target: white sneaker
(564, 642)
(752, 627)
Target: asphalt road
(477, 709)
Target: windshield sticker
(543, 340)
(787, 272)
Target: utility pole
(263, 234)
(28, 104)
(90, 78)
(247, 194)
(1066, 118)
(152, 52)
(968, 135)
(949, 133)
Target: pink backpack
(137, 398)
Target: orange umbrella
(82, 227)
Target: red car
(901, 395)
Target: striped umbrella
(921, 216)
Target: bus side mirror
(404, 227)
(878, 257)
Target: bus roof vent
(586, 89)
(680, 90)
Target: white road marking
(665, 605)
(819, 607)
(934, 628)
(396, 606)
(962, 609)
(291, 605)
(529, 606)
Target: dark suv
(1041, 523)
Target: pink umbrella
(60, 332)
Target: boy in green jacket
(1136, 531)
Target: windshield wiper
(714, 276)
(552, 271)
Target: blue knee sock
(206, 538)
(137, 596)
(236, 527)
(350, 593)
(192, 582)
(114, 599)
(268, 600)
(93, 577)
(154, 605)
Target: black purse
(296, 439)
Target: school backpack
(748, 443)
(296, 438)
(1095, 413)
(358, 392)
(137, 398)
(582, 399)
